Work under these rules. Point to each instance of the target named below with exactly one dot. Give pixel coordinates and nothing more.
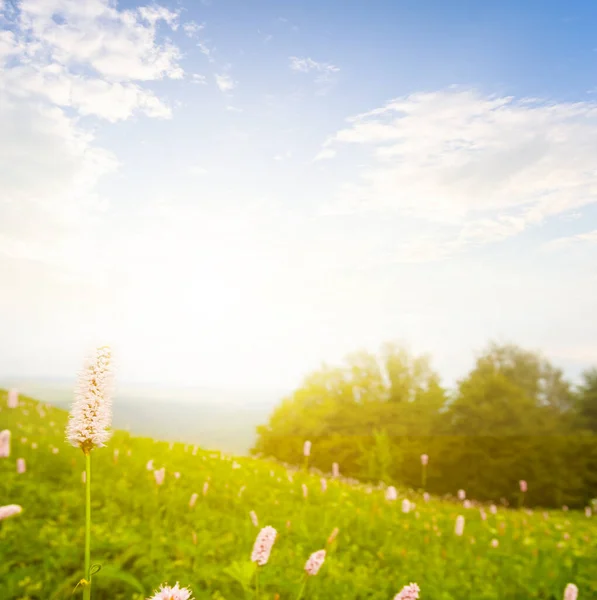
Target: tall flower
(424, 459)
(426, 497)
(4, 443)
(254, 518)
(21, 466)
(9, 511)
(314, 562)
(391, 493)
(91, 414)
(159, 475)
(172, 593)
(335, 469)
(307, 448)
(459, 527)
(588, 511)
(263, 545)
(193, 499)
(305, 490)
(149, 465)
(571, 592)
(205, 488)
(324, 484)
(461, 494)
(405, 506)
(13, 398)
(408, 592)
(523, 485)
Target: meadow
(145, 534)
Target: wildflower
(483, 514)
(55, 450)
(172, 593)
(324, 484)
(426, 497)
(91, 414)
(408, 592)
(459, 527)
(254, 518)
(13, 398)
(466, 504)
(263, 545)
(314, 562)
(149, 465)
(241, 490)
(4, 443)
(176, 475)
(424, 460)
(10, 511)
(523, 485)
(493, 509)
(333, 535)
(193, 500)
(21, 467)
(571, 592)
(307, 448)
(34, 445)
(335, 470)
(391, 494)
(205, 488)
(494, 543)
(305, 490)
(159, 475)
(461, 494)
(588, 511)
(405, 506)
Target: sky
(232, 192)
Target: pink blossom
(205, 488)
(9, 511)
(159, 475)
(305, 490)
(21, 467)
(424, 459)
(254, 518)
(493, 509)
(461, 494)
(571, 592)
(466, 504)
(307, 448)
(172, 593)
(176, 475)
(523, 485)
(335, 470)
(494, 543)
(324, 484)
(13, 398)
(314, 562)
(4, 443)
(459, 527)
(149, 465)
(483, 515)
(263, 545)
(588, 511)
(426, 497)
(193, 500)
(391, 493)
(408, 592)
(405, 506)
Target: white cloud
(224, 82)
(482, 168)
(197, 78)
(307, 65)
(325, 153)
(191, 28)
(579, 239)
(59, 61)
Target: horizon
(232, 202)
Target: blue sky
(231, 193)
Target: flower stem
(87, 588)
(302, 588)
(257, 584)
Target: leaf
(242, 572)
(115, 574)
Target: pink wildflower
(493, 509)
(467, 504)
(335, 470)
(305, 490)
(159, 475)
(314, 562)
(149, 465)
(324, 484)
(391, 493)
(424, 460)
(405, 506)
(588, 511)
(205, 488)
(254, 518)
(307, 448)
(461, 494)
(13, 398)
(523, 485)
(494, 543)
(263, 545)
(9, 511)
(176, 475)
(193, 500)
(459, 527)
(172, 593)
(4, 443)
(21, 467)
(426, 497)
(571, 592)
(408, 592)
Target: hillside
(145, 534)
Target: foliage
(513, 417)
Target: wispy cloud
(224, 82)
(578, 239)
(192, 28)
(307, 65)
(482, 168)
(198, 78)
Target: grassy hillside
(144, 534)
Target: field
(145, 534)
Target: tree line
(514, 416)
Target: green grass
(144, 535)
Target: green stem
(87, 588)
(257, 583)
(302, 589)
(424, 476)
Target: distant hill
(213, 418)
